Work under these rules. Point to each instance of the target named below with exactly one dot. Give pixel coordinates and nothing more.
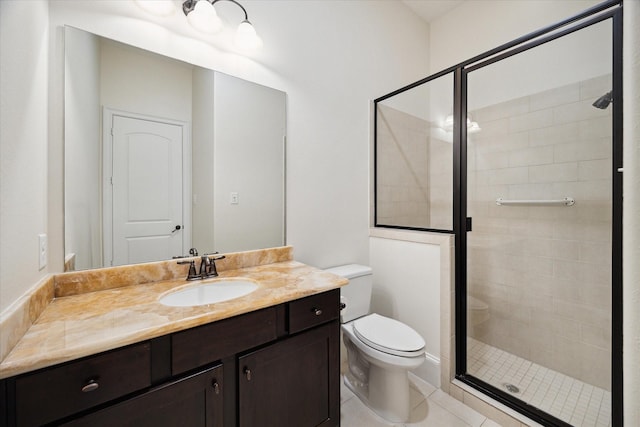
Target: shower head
(604, 101)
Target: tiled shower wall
(544, 271)
(402, 169)
(441, 183)
(415, 185)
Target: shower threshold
(571, 400)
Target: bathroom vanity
(275, 365)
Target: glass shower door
(539, 192)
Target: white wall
(248, 159)
(138, 82)
(24, 39)
(360, 51)
(406, 287)
(477, 26)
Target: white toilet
(380, 351)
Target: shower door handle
(468, 224)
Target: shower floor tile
(578, 403)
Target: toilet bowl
(380, 350)
(378, 369)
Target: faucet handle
(192, 275)
(193, 252)
(213, 271)
(212, 258)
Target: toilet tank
(357, 294)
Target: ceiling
(429, 10)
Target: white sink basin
(209, 292)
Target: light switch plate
(42, 250)
(235, 198)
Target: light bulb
(204, 18)
(246, 37)
(157, 7)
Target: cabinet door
(294, 382)
(193, 401)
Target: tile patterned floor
(431, 408)
(571, 400)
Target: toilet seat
(389, 336)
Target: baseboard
(429, 371)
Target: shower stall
(532, 131)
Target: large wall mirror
(162, 156)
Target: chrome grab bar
(567, 201)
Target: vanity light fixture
(202, 16)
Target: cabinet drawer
(54, 393)
(314, 310)
(206, 344)
(194, 401)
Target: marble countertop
(74, 326)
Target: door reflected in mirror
(162, 156)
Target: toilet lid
(388, 335)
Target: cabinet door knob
(316, 311)
(247, 373)
(216, 387)
(92, 385)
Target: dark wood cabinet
(277, 366)
(4, 404)
(51, 394)
(312, 311)
(205, 344)
(193, 401)
(291, 382)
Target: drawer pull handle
(317, 311)
(216, 387)
(247, 373)
(92, 385)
